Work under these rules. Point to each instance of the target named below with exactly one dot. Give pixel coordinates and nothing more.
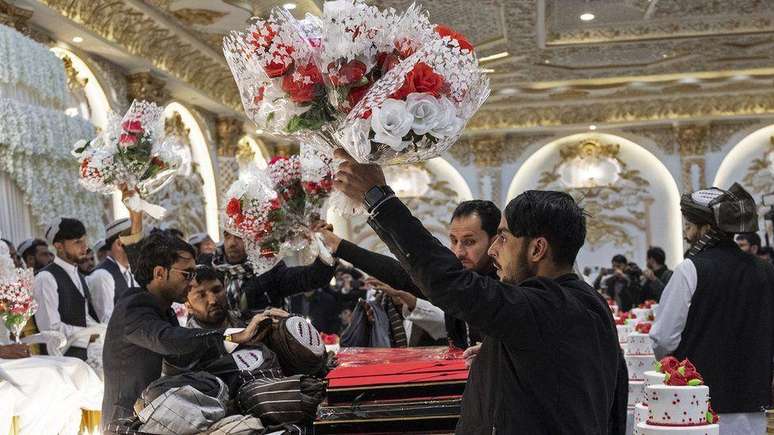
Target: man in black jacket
(248, 292)
(550, 362)
(144, 331)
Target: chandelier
(408, 181)
(589, 165)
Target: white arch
(668, 234)
(260, 154)
(200, 154)
(735, 163)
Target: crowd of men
(506, 290)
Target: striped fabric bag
(282, 400)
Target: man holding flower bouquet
(550, 361)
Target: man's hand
(331, 240)
(14, 351)
(369, 312)
(649, 275)
(134, 216)
(399, 297)
(470, 354)
(355, 179)
(276, 314)
(256, 330)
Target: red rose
(676, 379)
(259, 97)
(85, 167)
(132, 126)
(276, 159)
(239, 220)
(302, 83)
(688, 365)
(326, 184)
(276, 69)
(405, 47)
(267, 253)
(643, 328)
(387, 61)
(668, 364)
(127, 139)
(234, 207)
(447, 31)
(350, 73)
(421, 79)
(355, 95)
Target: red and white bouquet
(275, 65)
(274, 209)
(17, 304)
(132, 153)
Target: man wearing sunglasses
(143, 330)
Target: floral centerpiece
(16, 302)
(132, 153)
(274, 209)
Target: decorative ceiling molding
(15, 17)
(143, 36)
(144, 86)
(654, 109)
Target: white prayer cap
(117, 227)
(99, 245)
(198, 238)
(27, 244)
(53, 230)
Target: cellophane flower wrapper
(17, 304)
(133, 153)
(417, 109)
(272, 210)
(275, 63)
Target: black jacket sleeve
(497, 309)
(384, 268)
(145, 328)
(283, 281)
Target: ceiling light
(508, 91)
(487, 70)
(77, 39)
(546, 61)
(493, 57)
(259, 131)
(289, 6)
(592, 127)
(588, 16)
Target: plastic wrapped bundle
(132, 153)
(284, 400)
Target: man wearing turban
(718, 309)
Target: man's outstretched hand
(355, 179)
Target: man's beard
(522, 269)
(74, 259)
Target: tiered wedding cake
(681, 404)
(638, 353)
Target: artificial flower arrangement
(388, 87)
(274, 209)
(134, 154)
(17, 304)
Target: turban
(731, 211)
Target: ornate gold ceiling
(637, 60)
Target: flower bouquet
(276, 70)
(16, 302)
(132, 153)
(274, 209)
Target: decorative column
(228, 131)
(487, 153)
(692, 147)
(144, 86)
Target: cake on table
(638, 353)
(681, 404)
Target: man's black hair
(550, 214)
(486, 211)
(207, 273)
(620, 259)
(70, 229)
(657, 254)
(752, 238)
(175, 232)
(8, 242)
(766, 250)
(33, 248)
(158, 249)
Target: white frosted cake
(681, 405)
(638, 365)
(638, 343)
(623, 332)
(641, 314)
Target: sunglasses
(188, 275)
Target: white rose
(448, 123)
(427, 112)
(390, 123)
